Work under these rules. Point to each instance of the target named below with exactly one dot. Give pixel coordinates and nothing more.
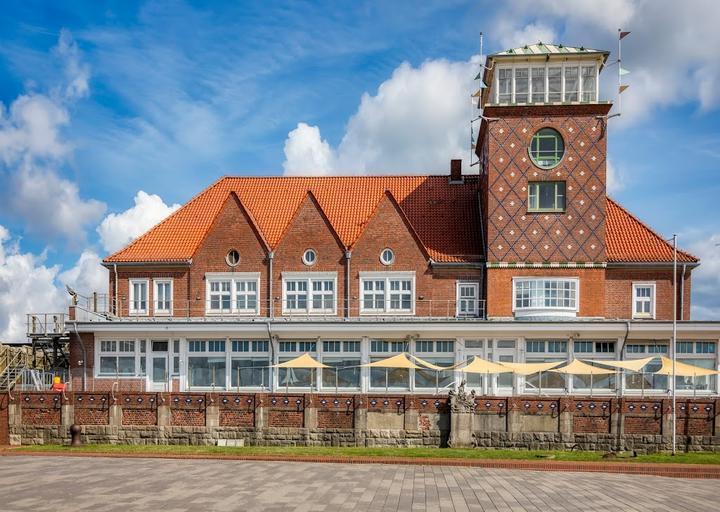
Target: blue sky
(102, 100)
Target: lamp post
(674, 345)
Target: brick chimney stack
(456, 171)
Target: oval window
(387, 256)
(546, 148)
(309, 257)
(232, 258)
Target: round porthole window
(387, 256)
(547, 148)
(309, 257)
(232, 258)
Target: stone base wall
(572, 423)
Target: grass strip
(410, 453)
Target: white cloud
(529, 34)
(26, 285)
(88, 275)
(50, 205)
(416, 122)
(307, 153)
(706, 279)
(77, 72)
(671, 53)
(31, 127)
(615, 178)
(33, 151)
(118, 229)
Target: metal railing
(100, 307)
(45, 324)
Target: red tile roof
(629, 240)
(445, 216)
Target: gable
(388, 227)
(233, 228)
(310, 228)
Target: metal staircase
(21, 369)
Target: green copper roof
(548, 49)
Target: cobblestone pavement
(98, 484)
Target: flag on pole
(624, 34)
(622, 88)
(624, 71)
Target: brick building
(525, 260)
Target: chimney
(456, 171)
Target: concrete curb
(705, 471)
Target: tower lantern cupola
(543, 74)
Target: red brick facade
(513, 233)
(619, 291)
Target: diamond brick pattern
(514, 234)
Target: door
(159, 374)
(504, 353)
(475, 381)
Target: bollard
(75, 435)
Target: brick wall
(500, 291)
(286, 411)
(180, 286)
(187, 409)
(41, 408)
(237, 410)
(91, 408)
(232, 229)
(619, 292)
(139, 408)
(513, 233)
(435, 291)
(309, 229)
(335, 411)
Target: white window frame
(580, 63)
(545, 311)
(653, 288)
(131, 304)
(387, 277)
(309, 278)
(476, 310)
(156, 302)
(136, 353)
(234, 278)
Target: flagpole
(619, 59)
(674, 344)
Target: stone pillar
(14, 414)
(212, 411)
(514, 416)
(567, 411)
(617, 418)
(164, 418)
(115, 415)
(667, 422)
(309, 413)
(716, 431)
(410, 420)
(67, 414)
(462, 410)
(261, 412)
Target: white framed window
(541, 296)
(163, 296)
(309, 293)
(643, 300)
(309, 257)
(232, 293)
(120, 358)
(546, 83)
(249, 364)
(387, 293)
(468, 301)
(387, 256)
(207, 363)
(138, 296)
